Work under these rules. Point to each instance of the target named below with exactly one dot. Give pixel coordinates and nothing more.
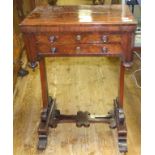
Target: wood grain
(80, 49)
(68, 38)
(79, 15)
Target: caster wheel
(79, 125)
(33, 65)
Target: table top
(79, 15)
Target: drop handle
(53, 50)
(105, 38)
(52, 38)
(78, 37)
(104, 49)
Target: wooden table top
(79, 15)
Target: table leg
(121, 85)
(43, 128)
(119, 113)
(44, 85)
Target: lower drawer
(80, 49)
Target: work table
(73, 31)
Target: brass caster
(33, 65)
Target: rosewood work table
(76, 31)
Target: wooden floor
(77, 84)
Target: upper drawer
(70, 38)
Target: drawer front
(78, 38)
(80, 49)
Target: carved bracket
(121, 127)
(82, 119)
(50, 117)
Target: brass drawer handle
(104, 38)
(104, 49)
(53, 50)
(52, 38)
(78, 37)
(78, 49)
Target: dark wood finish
(98, 2)
(121, 85)
(32, 4)
(101, 2)
(68, 38)
(66, 23)
(51, 116)
(127, 45)
(44, 85)
(79, 15)
(29, 41)
(79, 50)
(137, 49)
(80, 31)
(52, 2)
(121, 126)
(19, 8)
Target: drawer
(71, 38)
(80, 49)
